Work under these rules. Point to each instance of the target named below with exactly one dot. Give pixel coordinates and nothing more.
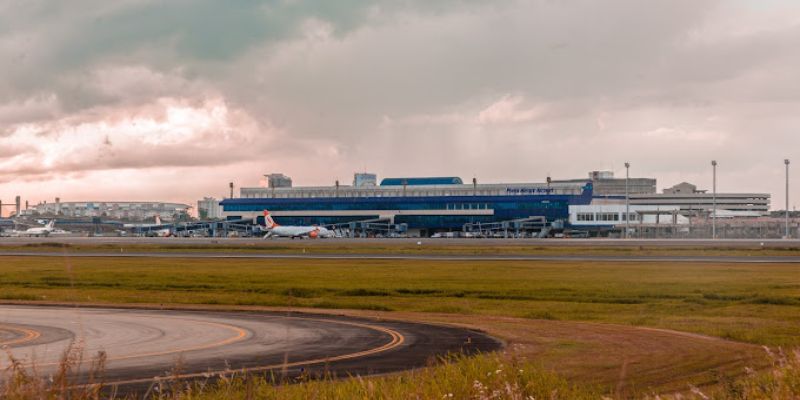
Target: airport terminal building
(423, 206)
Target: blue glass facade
(445, 180)
(507, 207)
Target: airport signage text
(529, 190)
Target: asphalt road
(144, 344)
(727, 243)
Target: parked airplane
(158, 229)
(275, 230)
(157, 224)
(166, 232)
(46, 230)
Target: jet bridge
(374, 227)
(531, 227)
(224, 228)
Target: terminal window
(607, 216)
(632, 216)
(585, 216)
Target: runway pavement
(430, 257)
(599, 242)
(143, 344)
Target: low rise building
(683, 188)
(122, 210)
(278, 181)
(209, 209)
(691, 200)
(365, 179)
(606, 185)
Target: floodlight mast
(627, 201)
(714, 199)
(786, 233)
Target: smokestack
(231, 186)
(17, 203)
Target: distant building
(606, 185)
(278, 181)
(702, 201)
(597, 175)
(122, 210)
(683, 188)
(365, 180)
(209, 208)
(690, 200)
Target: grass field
(752, 303)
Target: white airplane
(39, 231)
(166, 232)
(275, 230)
(157, 224)
(150, 231)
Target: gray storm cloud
(512, 90)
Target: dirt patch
(624, 359)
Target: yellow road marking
(397, 340)
(29, 335)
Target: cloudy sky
(171, 100)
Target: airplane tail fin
(158, 220)
(268, 221)
(51, 224)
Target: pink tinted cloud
(166, 133)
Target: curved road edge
(405, 345)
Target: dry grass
(21, 383)
(506, 377)
(781, 381)
(491, 376)
(410, 247)
(484, 377)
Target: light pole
(786, 235)
(627, 201)
(714, 200)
